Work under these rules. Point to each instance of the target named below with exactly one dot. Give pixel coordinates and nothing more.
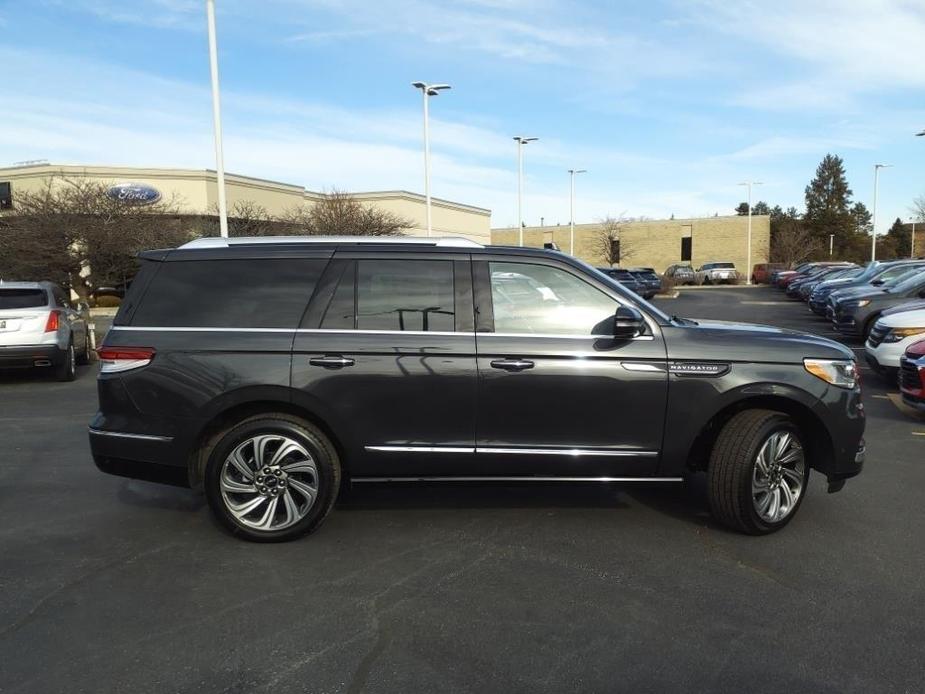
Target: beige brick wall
(657, 243)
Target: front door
(558, 395)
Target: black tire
(66, 370)
(868, 326)
(732, 466)
(84, 357)
(315, 442)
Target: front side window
(405, 295)
(538, 299)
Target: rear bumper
(140, 456)
(28, 356)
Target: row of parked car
(881, 303)
(644, 281)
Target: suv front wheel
(758, 472)
(272, 478)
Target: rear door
(558, 395)
(387, 353)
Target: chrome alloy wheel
(269, 482)
(779, 476)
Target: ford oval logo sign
(134, 193)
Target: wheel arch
(209, 434)
(815, 434)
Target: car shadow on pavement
(474, 495)
(151, 495)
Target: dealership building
(657, 243)
(649, 243)
(195, 193)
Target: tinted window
(245, 293)
(405, 295)
(22, 298)
(686, 248)
(341, 312)
(714, 266)
(546, 300)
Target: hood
(911, 306)
(865, 292)
(904, 319)
(725, 341)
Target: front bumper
(29, 356)
(885, 355)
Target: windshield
(908, 282)
(22, 298)
(716, 266)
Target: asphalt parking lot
(109, 584)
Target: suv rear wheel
(758, 472)
(272, 478)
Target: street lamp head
(418, 85)
(883, 166)
(524, 140)
(577, 171)
(434, 89)
(920, 134)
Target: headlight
(862, 303)
(899, 334)
(838, 372)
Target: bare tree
(793, 242)
(245, 218)
(340, 214)
(609, 243)
(72, 232)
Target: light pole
(217, 122)
(571, 208)
(428, 90)
(831, 244)
(912, 245)
(521, 141)
(748, 267)
(873, 239)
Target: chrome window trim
(514, 478)
(489, 450)
(435, 241)
(126, 435)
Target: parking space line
(881, 397)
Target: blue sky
(667, 104)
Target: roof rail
(441, 241)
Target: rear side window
(240, 293)
(22, 298)
(405, 295)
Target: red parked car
(912, 375)
(761, 273)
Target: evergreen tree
(761, 207)
(742, 209)
(828, 204)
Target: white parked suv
(41, 328)
(890, 336)
(716, 273)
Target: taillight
(51, 325)
(116, 359)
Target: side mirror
(628, 323)
(877, 283)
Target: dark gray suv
(271, 371)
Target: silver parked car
(716, 273)
(41, 328)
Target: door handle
(332, 362)
(512, 364)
